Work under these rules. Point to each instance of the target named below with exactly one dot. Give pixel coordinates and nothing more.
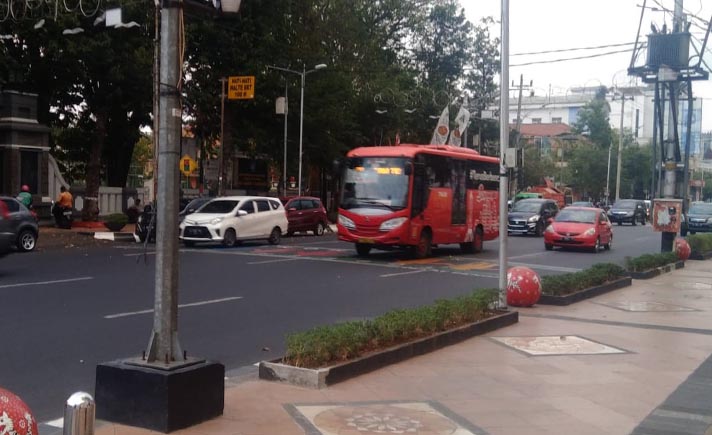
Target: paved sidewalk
(636, 360)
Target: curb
(325, 376)
(115, 237)
(587, 293)
(652, 273)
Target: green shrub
(650, 261)
(567, 283)
(117, 218)
(323, 345)
(700, 243)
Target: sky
(545, 25)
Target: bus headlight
(392, 224)
(346, 222)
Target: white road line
(533, 254)
(545, 267)
(59, 422)
(140, 253)
(56, 281)
(193, 304)
(404, 273)
(274, 261)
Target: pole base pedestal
(158, 398)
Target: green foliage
(116, 218)
(324, 345)
(587, 169)
(537, 167)
(593, 121)
(567, 283)
(700, 243)
(650, 261)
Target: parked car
(584, 227)
(531, 216)
(192, 206)
(699, 218)
(146, 222)
(628, 210)
(306, 213)
(234, 219)
(22, 224)
(7, 237)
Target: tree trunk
(90, 212)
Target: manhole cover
(557, 345)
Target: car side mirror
(242, 213)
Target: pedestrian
(25, 197)
(133, 211)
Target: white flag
(462, 119)
(443, 128)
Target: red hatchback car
(306, 213)
(584, 227)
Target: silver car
(18, 224)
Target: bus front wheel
(424, 248)
(362, 249)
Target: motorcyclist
(25, 197)
(64, 203)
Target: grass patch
(326, 345)
(700, 243)
(567, 283)
(650, 261)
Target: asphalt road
(66, 310)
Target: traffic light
(186, 165)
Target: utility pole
(221, 170)
(519, 168)
(156, 93)
(503, 145)
(620, 148)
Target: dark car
(531, 216)
(628, 210)
(7, 238)
(699, 218)
(21, 223)
(306, 213)
(146, 222)
(582, 204)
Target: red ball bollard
(15, 415)
(682, 248)
(523, 287)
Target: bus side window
(420, 189)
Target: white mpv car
(232, 219)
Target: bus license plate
(365, 240)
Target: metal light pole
(608, 175)
(503, 145)
(620, 150)
(286, 113)
(303, 73)
(222, 136)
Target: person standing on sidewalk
(25, 197)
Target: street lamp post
(302, 75)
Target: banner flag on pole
(441, 131)
(462, 119)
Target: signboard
(241, 88)
(187, 165)
(667, 214)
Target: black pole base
(159, 399)
(666, 242)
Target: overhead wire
(590, 56)
(572, 49)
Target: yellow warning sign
(187, 165)
(241, 88)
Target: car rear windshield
(218, 206)
(583, 216)
(701, 209)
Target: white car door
(265, 217)
(247, 224)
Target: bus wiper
(371, 201)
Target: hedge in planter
(325, 345)
(650, 261)
(115, 221)
(700, 244)
(568, 283)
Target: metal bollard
(79, 414)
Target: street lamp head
(229, 6)
(320, 66)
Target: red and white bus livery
(417, 197)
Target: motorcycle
(146, 225)
(62, 216)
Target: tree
(536, 167)
(587, 166)
(593, 121)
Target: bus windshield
(378, 182)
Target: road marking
(140, 253)
(56, 281)
(472, 266)
(533, 254)
(193, 304)
(58, 422)
(545, 267)
(405, 273)
(274, 261)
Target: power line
(573, 49)
(573, 58)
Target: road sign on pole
(187, 165)
(241, 88)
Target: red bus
(418, 196)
